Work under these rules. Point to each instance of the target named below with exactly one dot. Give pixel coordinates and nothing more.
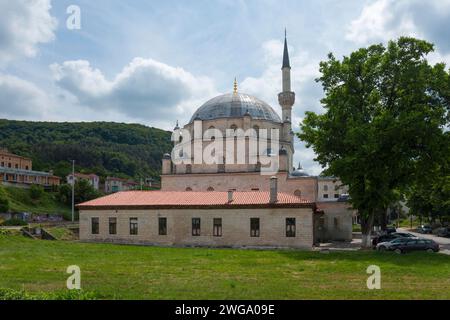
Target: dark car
(402, 245)
(390, 229)
(424, 229)
(391, 236)
(443, 232)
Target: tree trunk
(383, 219)
(367, 219)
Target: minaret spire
(235, 86)
(286, 63)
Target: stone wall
(240, 182)
(235, 227)
(336, 222)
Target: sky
(155, 62)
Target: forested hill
(104, 148)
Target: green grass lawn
(20, 201)
(134, 272)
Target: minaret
(286, 99)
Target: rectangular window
(325, 196)
(95, 225)
(336, 195)
(112, 225)
(254, 227)
(217, 227)
(336, 222)
(133, 226)
(290, 227)
(196, 227)
(162, 225)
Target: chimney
(230, 195)
(273, 189)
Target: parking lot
(355, 244)
(444, 243)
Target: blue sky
(154, 62)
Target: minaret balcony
(286, 99)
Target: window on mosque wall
(162, 226)
(336, 195)
(217, 227)
(336, 222)
(325, 196)
(196, 227)
(322, 222)
(112, 225)
(290, 227)
(95, 225)
(210, 189)
(256, 128)
(133, 226)
(325, 188)
(212, 137)
(188, 189)
(254, 227)
(297, 193)
(188, 168)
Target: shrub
(36, 192)
(4, 203)
(14, 222)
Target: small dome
(300, 172)
(235, 105)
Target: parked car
(424, 229)
(390, 229)
(402, 245)
(391, 236)
(443, 232)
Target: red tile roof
(189, 199)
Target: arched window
(258, 166)
(213, 137)
(210, 189)
(256, 128)
(297, 193)
(188, 189)
(188, 168)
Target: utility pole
(73, 190)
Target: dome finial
(235, 86)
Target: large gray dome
(235, 105)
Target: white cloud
(23, 25)
(145, 89)
(21, 99)
(383, 20)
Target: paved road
(444, 243)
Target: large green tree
(385, 112)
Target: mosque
(239, 199)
